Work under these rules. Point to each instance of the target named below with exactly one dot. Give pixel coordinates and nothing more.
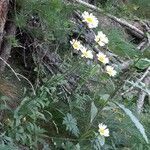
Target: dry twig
(17, 75)
(138, 81)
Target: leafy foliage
(143, 63)
(6, 143)
(73, 95)
(52, 19)
(71, 124)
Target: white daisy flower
(90, 19)
(101, 38)
(86, 53)
(76, 44)
(102, 58)
(110, 70)
(103, 130)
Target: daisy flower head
(102, 58)
(110, 70)
(101, 38)
(86, 53)
(103, 130)
(76, 44)
(90, 19)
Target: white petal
(114, 73)
(106, 61)
(83, 49)
(108, 68)
(85, 14)
(72, 41)
(101, 43)
(90, 54)
(103, 126)
(105, 40)
(106, 132)
(100, 34)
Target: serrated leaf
(71, 124)
(93, 111)
(135, 121)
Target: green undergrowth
(70, 102)
(130, 9)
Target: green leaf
(143, 63)
(120, 45)
(93, 111)
(71, 124)
(135, 121)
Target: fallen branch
(142, 45)
(122, 22)
(142, 95)
(147, 43)
(140, 101)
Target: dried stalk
(138, 81)
(142, 95)
(17, 75)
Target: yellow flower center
(90, 20)
(75, 45)
(99, 39)
(102, 131)
(102, 59)
(110, 71)
(85, 54)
